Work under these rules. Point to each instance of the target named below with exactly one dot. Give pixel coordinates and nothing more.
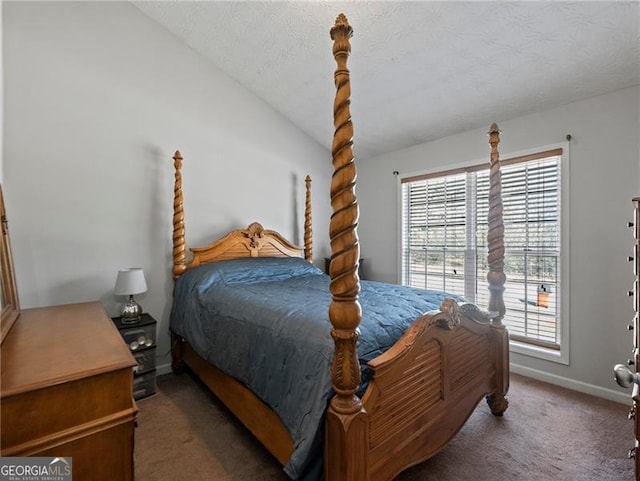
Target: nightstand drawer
(146, 359)
(144, 385)
(139, 337)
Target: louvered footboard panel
(421, 382)
(421, 394)
(470, 358)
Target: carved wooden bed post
(496, 277)
(179, 256)
(495, 235)
(308, 226)
(347, 423)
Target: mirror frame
(9, 301)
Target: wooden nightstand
(141, 339)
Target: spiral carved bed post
(346, 421)
(495, 237)
(179, 251)
(496, 277)
(308, 225)
(179, 256)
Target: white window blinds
(444, 239)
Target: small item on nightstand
(129, 282)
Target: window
(444, 240)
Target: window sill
(560, 357)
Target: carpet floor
(548, 433)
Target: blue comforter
(265, 322)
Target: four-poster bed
(417, 392)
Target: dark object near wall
(327, 261)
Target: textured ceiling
(419, 70)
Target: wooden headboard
(253, 241)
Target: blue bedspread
(265, 322)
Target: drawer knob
(632, 453)
(630, 259)
(624, 377)
(632, 414)
(630, 327)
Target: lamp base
(131, 312)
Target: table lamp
(129, 282)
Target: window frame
(561, 355)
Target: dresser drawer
(34, 420)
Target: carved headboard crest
(255, 234)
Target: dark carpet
(548, 433)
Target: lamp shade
(130, 281)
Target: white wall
(605, 169)
(98, 97)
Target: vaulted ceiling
(420, 70)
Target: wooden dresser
(628, 375)
(634, 414)
(66, 391)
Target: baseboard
(583, 387)
(163, 369)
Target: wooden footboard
(427, 385)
